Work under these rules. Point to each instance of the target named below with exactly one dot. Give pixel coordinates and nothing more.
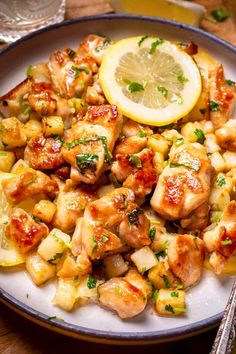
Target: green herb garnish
(200, 136)
(92, 282)
(220, 181)
(144, 269)
(142, 133)
(227, 242)
(104, 238)
(179, 142)
(174, 294)
(230, 82)
(155, 294)
(152, 233)
(133, 216)
(87, 162)
(29, 71)
(216, 215)
(135, 87)
(163, 90)
(142, 40)
(57, 256)
(27, 110)
(118, 290)
(214, 106)
(155, 44)
(104, 45)
(166, 280)
(220, 15)
(176, 164)
(169, 308)
(182, 78)
(135, 160)
(71, 53)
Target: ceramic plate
(207, 300)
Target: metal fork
(224, 340)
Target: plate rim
(95, 334)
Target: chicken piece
(131, 128)
(110, 209)
(98, 242)
(72, 267)
(94, 46)
(76, 241)
(127, 296)
(11, 133)
(70, 76)
(186, 257)
(94, 94)
(226, 135)
(222, 237)
(137, 280)
(198, 219)
(217, 262)
(222, 96)
(13, 102)
(88, 144)
(27, 185)
(134, 229)
(71, 205)
(43, 154)
(25, 232)
(184, 184)
(137, 170)
(131, 145)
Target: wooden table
(20, 336)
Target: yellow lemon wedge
(9, 254)
(151, 80)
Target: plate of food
(117, 171)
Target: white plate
(207, 300)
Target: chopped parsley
(29, 181)
(87, 162)
(155, 294)
(104, 238)
(152, 233)
(179, 142)
(135, 160)
(182, 78)
(226, 242)
(135, 87)
(163, 91)
(144, 269)
(220, 15)
(56, 257)
(155, 44)
(169, 308)
(92, 282)
(200, 136)
(142, 39)
(220, 181)
(29, 71)
(176, 164)
(174, 294)
(230, 82)
(95, 244)
(71, 53)
(55, 318)
(104, 45)
(202, 111)
(180, 309)
(166, 280)
(3, 153)
(78, 70)
(27, 110)
(20, 99)
(142, 134)
(37, 219)
(27, 295)
(160, 254)
(114, 180)
(214, 106)
(121, 137)
(133, 216)
(216, 215)
(118, 290)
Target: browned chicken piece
(184, 184)
(94, 46)
(13, 103)
(130, 145)
(43, 153)
(76, 241)
(226, 135)
(222, 237)
(98, 242)
(140, 282)
(186, 257)
(131, 128)
(28, 184)
(70, 76)
(110, 209)
(217, 262)
(72, 267)
(198, 219)
(134, 229)
(24, 231)
(71, 205)
(94, 94)
(222, 96)
(136, 171)
(127, 296)
(88, 144)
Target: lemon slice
(9, 254)
(150, 80)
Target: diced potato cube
(158, 162)
(158, 143)
(78, 105)
(219, 198)
(32, 128)
(207, 127)
(65, 294)
(172, 135)
(115, 265)
(87, 288)
(161, 276)
(217, 162)
(53, 125)
(104, 190)
(170, 302)
(39, 73)
(211, 144)
(144, 259)
(39, 270)
(154, 218)
(44, 210)
(12, 133)
(7, 160)
(52, 248)
(20, 167)
(188, 131)
(230, 160)
(225, 182)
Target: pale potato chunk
(158, 143)
(32, 128)
(217, 162)
(53, 125)
(219, 198)
(7, 160)
(20, 167)
(170, 302)
(158, 162)
(65, 294)
(161, 276)
(52, 248)
(189, 131)
(39, 270)
(115, 266)
(230, 160)
(87, 288)
(211, 144)
(144, 259)
(11, 133)
(44, 210)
